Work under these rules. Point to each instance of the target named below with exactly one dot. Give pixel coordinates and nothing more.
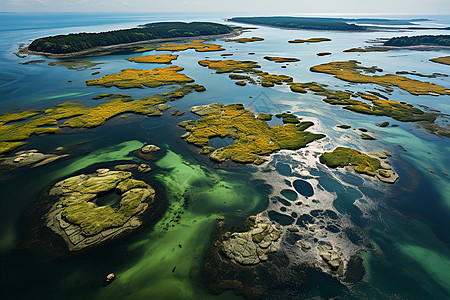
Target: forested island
(71, 43)
(419, 40)
(301, 23)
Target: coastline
(103, 50)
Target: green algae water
(400, 231)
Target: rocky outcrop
(149, 149)
(82, 222)
(29, 158)
(331, 255)
(253, 246)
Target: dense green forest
(434, 40)
(82, 41)
(301, 23)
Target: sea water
(407, 223)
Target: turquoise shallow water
(407, 223)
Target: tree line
(76, 42)
(404, 41)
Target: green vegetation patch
(442, 60)
(281, 59)
(311, 40)
(341, 157)
(77, 65)
(253, 137)
(245, 40)
(350, 71)
(16, 127)
(136, 78)
(234, 66)
(154, 59)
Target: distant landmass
(71, 43)
(340, 24)
(300, 23)
(419, 40)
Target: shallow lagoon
(406, 223)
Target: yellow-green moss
(253, 138)
(158, 59)
(441, 60)
(135, 78)
(13, 135)
(350, 71)
(233, 66)
(245, 40)
(195, 44)
(281, 59)
(311, 40)
(342, 157)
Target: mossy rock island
(253, 138)
(82, 221)
(354, 160)
(351, 71)
(136, 78)
(311, 40)
(154, 59)
(281, 59)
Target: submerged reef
(245, 40)
(281, 59)
(253, 138)
(352, 159)
(82, 222)
(195, 44)
(311, 40)
(158, 59)
(16, 127)
(77, 65)
(136, 78)
(350, 71)
(442, 60)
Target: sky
(266, 7)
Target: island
(137, 78)
(85, 42)
(281, 59)
(154, 59)
(79, 217)
(311, 40)
(441, 60)
(253, 137)
(13, 133)
(354, 160)
(300, 23)
(419, 40)
(245, 40)
(337, 24)
(350, 71)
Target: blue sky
(267, 7)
